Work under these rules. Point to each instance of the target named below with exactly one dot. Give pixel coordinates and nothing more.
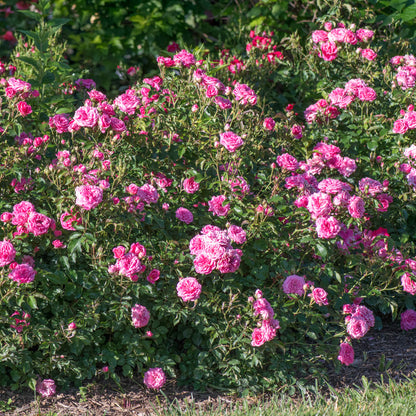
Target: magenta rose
(217, 207)
(231, 141)
(7, 253)
(408, 284)
(320, 296)
(46, 388)
(38, 224)
(188, 289)
(190, 186)
(329, 51)
(357, 327)
(258, 337)
(24, 108)
(294, 285)
(327, 227)
(356, 207)
(140, 316)
(408, 320)
(237, 234)
(184, 215)
(22, 273)
(154, 378)
(204, 264)
(346, 354)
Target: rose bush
(135, 229)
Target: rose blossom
(154, 378)
(258, 337)
(327, 227)
(7, 253)
(269, 123)
(88, 196)
(127, 102)
(38, 224)
(408, 320)
(294, 285)
(356, 207)
(217, 207)
(204, 264)
(153, 276)
(357, 327)
(287, 161)
(190, 186)
(236, 234)
(140, 316)
(22, 273)
(231, 141)
(368, 54)
(24, 108)
(86, 116)
(408, 284)
(366, 94)
(188, 289)
(319, 295)
(46, 388)
(346, 354)
(184, 215)
(319, 204)
(328, 51)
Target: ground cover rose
(154, 378)
(231, 141)
(46, 387)
(140, 316)
(7, 253)
(22, 273)
(188, 289)
(294, 284)
(346, 354)
(88, 196)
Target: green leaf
(29, 61)
(58, 22)
(32, 302)
(31, 14)
(322, 251)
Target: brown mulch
(380, 355)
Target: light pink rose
(184, 215)
(409, 285)
(408, 320)
(327, 227)
(231, 141)
(46, 388)
(341, 98)
(127, 102)
(86, 116)
(188, 289)
(88, 196)
(154, 378)
(236, 234)
(140, 316)
(7, 253)
(294, 285)
(319, 295)
(346, 354)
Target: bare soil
(390, 353)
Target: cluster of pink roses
(330, 196)
(327, 41)
(263, 42)
(339, 98)
(359, 320)
(139, 196)
(19, 90)
(408, 122)
(409, 168)
(267, 327)
(27, 220)
(213, 249)
(128, 264)
(406, 70)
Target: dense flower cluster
(213, 249)
(359, 320)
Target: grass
(392, 398)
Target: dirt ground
(390, 353)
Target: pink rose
(244, 94)
(364, 35)
(231, 141)
(22, 273)
(357, 327)
(319, 204)
(88, 196)
(204, 264)
(356, 207)
(117, 125)
(319, 295)
(59, 122)
(154, 378)
(287, 161)
(7, 253)
(129, 265)
(329, 51)
(346, 354)
(119, 252)
(258, 337)
(400, 126)
(148, 194)
(38, 224)
(366, 94)
(368, 54)
(153, 276)
(319, 36)
(296, 131)
(236, 234)
(190, 186)
(217, 207)
(223, 103)
(140, 316)
(184, 215)
(294, 285)
(188, 289)
(327, 227)
(408, 284)
(269, 123)
(263, 308)
(24, 108)
(86, 116)
(184, 58)
(46, 388)
(408, 320)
